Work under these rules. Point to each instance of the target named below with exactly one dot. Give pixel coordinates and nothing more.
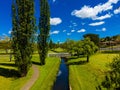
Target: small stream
(62, 81)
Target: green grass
(8, 75)
(17, 83)
(87, 76)
(57, 50)
(8, 70)
(48, 74)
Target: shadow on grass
(8, 64)
(5, 53)
(36, 63)
(9, 73)
(76, 57)
(110, 52)
(77, 63)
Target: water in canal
(62, 81)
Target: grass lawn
(8, 81)
(87, 76)
(47, 73)
(8, 75)
(57, 50)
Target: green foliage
(23, 30)
(85, 47)
(52, 45)
(89, 48)
(93, 37)
(112, 79)
(44, 27)
(70, 46)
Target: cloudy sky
(72, 18)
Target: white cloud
(81, 30)
(117, 11)
(92, 12)
(103, 17)
(99, 30)
(74, 24)
(54, 32)
(64, 30)
(97, 23)
(9, 32)
(72, 30)
(68, 34)
(55, 21)
(113, 1)
(54, 1)
(103, 29)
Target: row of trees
(112, 38)
(84, 47)
(23, 32)
(5, 43)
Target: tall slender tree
(23, 29)
(44, 27)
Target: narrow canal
(62, 81)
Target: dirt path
(34, 77)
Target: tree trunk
(87, 58)
(23, 70)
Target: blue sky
(72, 18)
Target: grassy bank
(47, 74)
(84, 76)
(10, 81)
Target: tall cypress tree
(23, 30)
(44, 27)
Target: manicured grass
(48, 74)
(17, 83)
(5, 66)
(87, 76)
(8, 70)
(57, 50)
(8, 75)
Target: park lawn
(8, 75)
(57, 50)
(47, 74)
(8, 81)
(87, 76)
(5, 65)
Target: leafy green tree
(70, 46)
(112, 79)
(93, 37)
(23, 30)
(44, 27)
(78, 48)
(51, 44)
(89, 48)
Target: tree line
(23, 32)
(79, 48)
